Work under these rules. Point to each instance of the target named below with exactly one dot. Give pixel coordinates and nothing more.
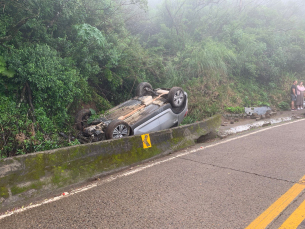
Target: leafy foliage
(57, 57)
(284, 106)
(235, 110)
(51, 78)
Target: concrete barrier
(24, 178)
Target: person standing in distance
(300, 96)
(293, 92)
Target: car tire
(140, 91)
(117, 129)
(81, 118)
(176, 97)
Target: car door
(150, 125)
(167, 119)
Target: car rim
(178, 98)
(120, 131)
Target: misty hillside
(57, 57)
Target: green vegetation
(235, 110)
(57, 57)
(284, 106)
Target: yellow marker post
(146, 141)
(295, 219)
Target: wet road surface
(224, 184)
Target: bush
(235, 110)
(9, 125)
(20, 135)
(52, 79)
(284, 106)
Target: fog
(153, 3)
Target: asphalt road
(224, 184)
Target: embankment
(27, 177)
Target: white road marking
(114, 177)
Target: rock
(222, 135)
(231, 122)
(254, 116)
(206, 137)
(224, 123)
(263, 116)
(273, 113)
(257, 119)
(266, 124)
(236, 120)
(268, 116)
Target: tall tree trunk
(30, 100)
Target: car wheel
(176, 97)
(81, 118)
(141, 89)
(117, 129)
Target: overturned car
(151, 110)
